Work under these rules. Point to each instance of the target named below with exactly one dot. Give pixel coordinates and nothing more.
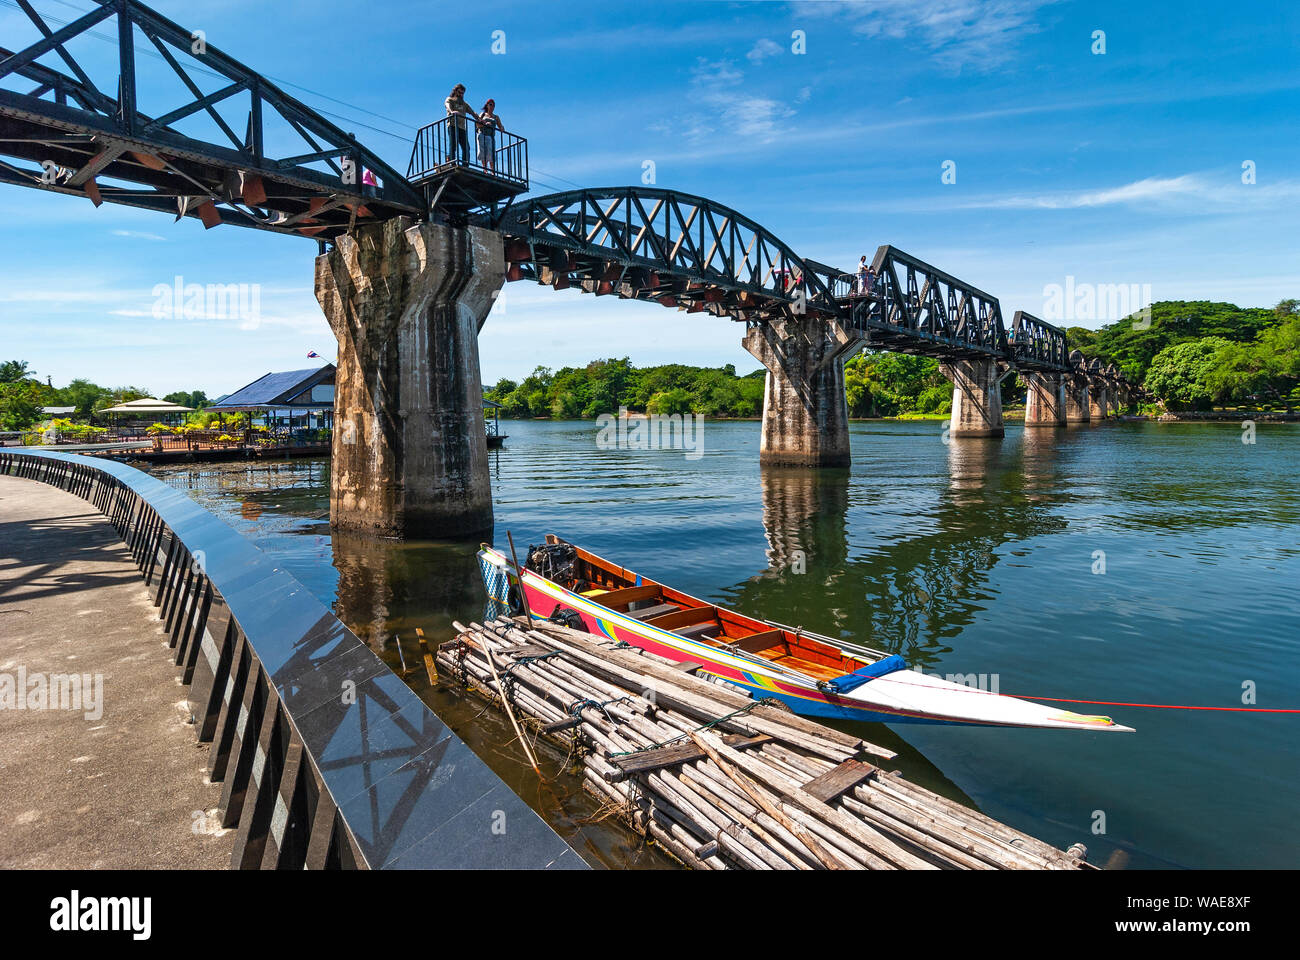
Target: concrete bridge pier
(1098, 400)
(1077, 401)
(406, 302)
(1078, 404)
(1045, 399)
(805, 414)
(976, 398)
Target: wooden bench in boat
(619, 599)
(699, 631)
(685, 618)
(658, 610)
(757, 642)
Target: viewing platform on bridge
(461, 169)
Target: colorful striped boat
(813, 675)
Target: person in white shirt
(458, 109)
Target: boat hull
(901, 696)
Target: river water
(1136, 562)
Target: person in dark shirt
(488, 125)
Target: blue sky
(1117, 168)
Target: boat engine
(557, 562)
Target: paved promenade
(122, 789)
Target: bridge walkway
(123, 789)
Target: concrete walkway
(125, 789)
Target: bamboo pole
(505, 702)
(772, 809)
(429, 668)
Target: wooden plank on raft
(527, 650)
(626, 667)
(677, 754)
(838, 780)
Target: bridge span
(410, 265)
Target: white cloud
(763, 49)
(1197, 190)
(979, 34)
(731, 107)
(138, 235)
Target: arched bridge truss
(661, 246)
(187, 130)
(696, 255)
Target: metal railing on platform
(328, 759)
(452, 143)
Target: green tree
(11, 371)
(1182, 374)
(83, 395)
(194, 398)
(117, 395)
(21, 402)
(669, 402)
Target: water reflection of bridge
(910, 596)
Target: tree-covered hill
(1196, 354)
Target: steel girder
(914, 307)
(1038, 345)
(79, 136)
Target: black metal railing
(460, 142)
(327, 758)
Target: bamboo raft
(717, 779)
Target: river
(1126, 562)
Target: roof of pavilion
(291, 388)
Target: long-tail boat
(811, 674)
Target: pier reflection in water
(971, 556)
(386, 590)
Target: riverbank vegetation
(877, 385)
(23, 394)
(603, 386)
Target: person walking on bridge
(488, 125)
(457, 109)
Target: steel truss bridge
(190, 131)
(699, 256)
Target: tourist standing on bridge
(864, 277)
(457, 109)
(488, 125)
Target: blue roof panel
(271, 389)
